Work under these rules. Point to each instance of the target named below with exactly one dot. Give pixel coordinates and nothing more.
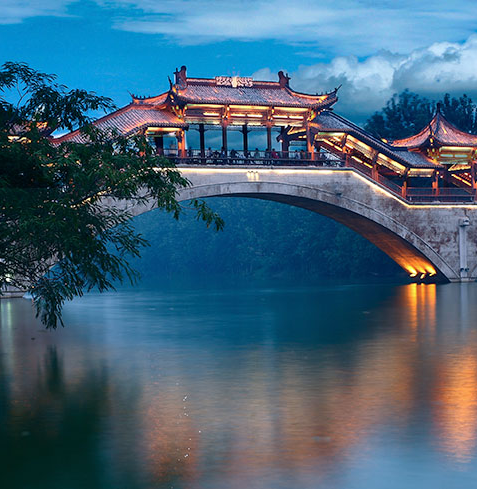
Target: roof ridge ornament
(283, 79)
(181, 77)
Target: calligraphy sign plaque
(233, 81)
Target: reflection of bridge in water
(414, 198)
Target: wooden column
(285, 147)
(245, 132)
(269, 137)
(159, 143)
(309, 143)
(224, 137)
(181, 144)
(202, 140)
(435, 182)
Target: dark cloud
(367, 84)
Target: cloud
(356, 26)
(368, 83)
(360, 27)
(15, 11)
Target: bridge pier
(464, 223)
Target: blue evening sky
(373, 49)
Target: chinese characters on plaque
(233, 81)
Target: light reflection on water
(240, 387)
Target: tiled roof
(157, 100)
(130, 119)
(328, 121)
(442, 132)
(260, 93)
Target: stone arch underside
(401, 244)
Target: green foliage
(404, 114)
(462, 112)
(408, 113)
(260, 239)
(60, 230)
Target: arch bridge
(414, 198)
(434, 242)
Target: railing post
(374, 163)
(404, 190)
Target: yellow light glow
(255, 115)
(462, 180)
(457, 148)
(293, 109)
(412, 271)
(205, 106)
(455, 398)
(153, 129)
(332, 134)
(214, 114)
(248, 107)
(422, 172)
(236, 114)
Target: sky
(373, 49)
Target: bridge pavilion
(438, 163)
(221, 103)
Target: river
(224, 386)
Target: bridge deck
(408, 193)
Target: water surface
(244, 386)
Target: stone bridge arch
(425, 240)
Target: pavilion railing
(265, 158)
(301, 158)
(415, 194)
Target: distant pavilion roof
(439, 132)
(130, 119)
